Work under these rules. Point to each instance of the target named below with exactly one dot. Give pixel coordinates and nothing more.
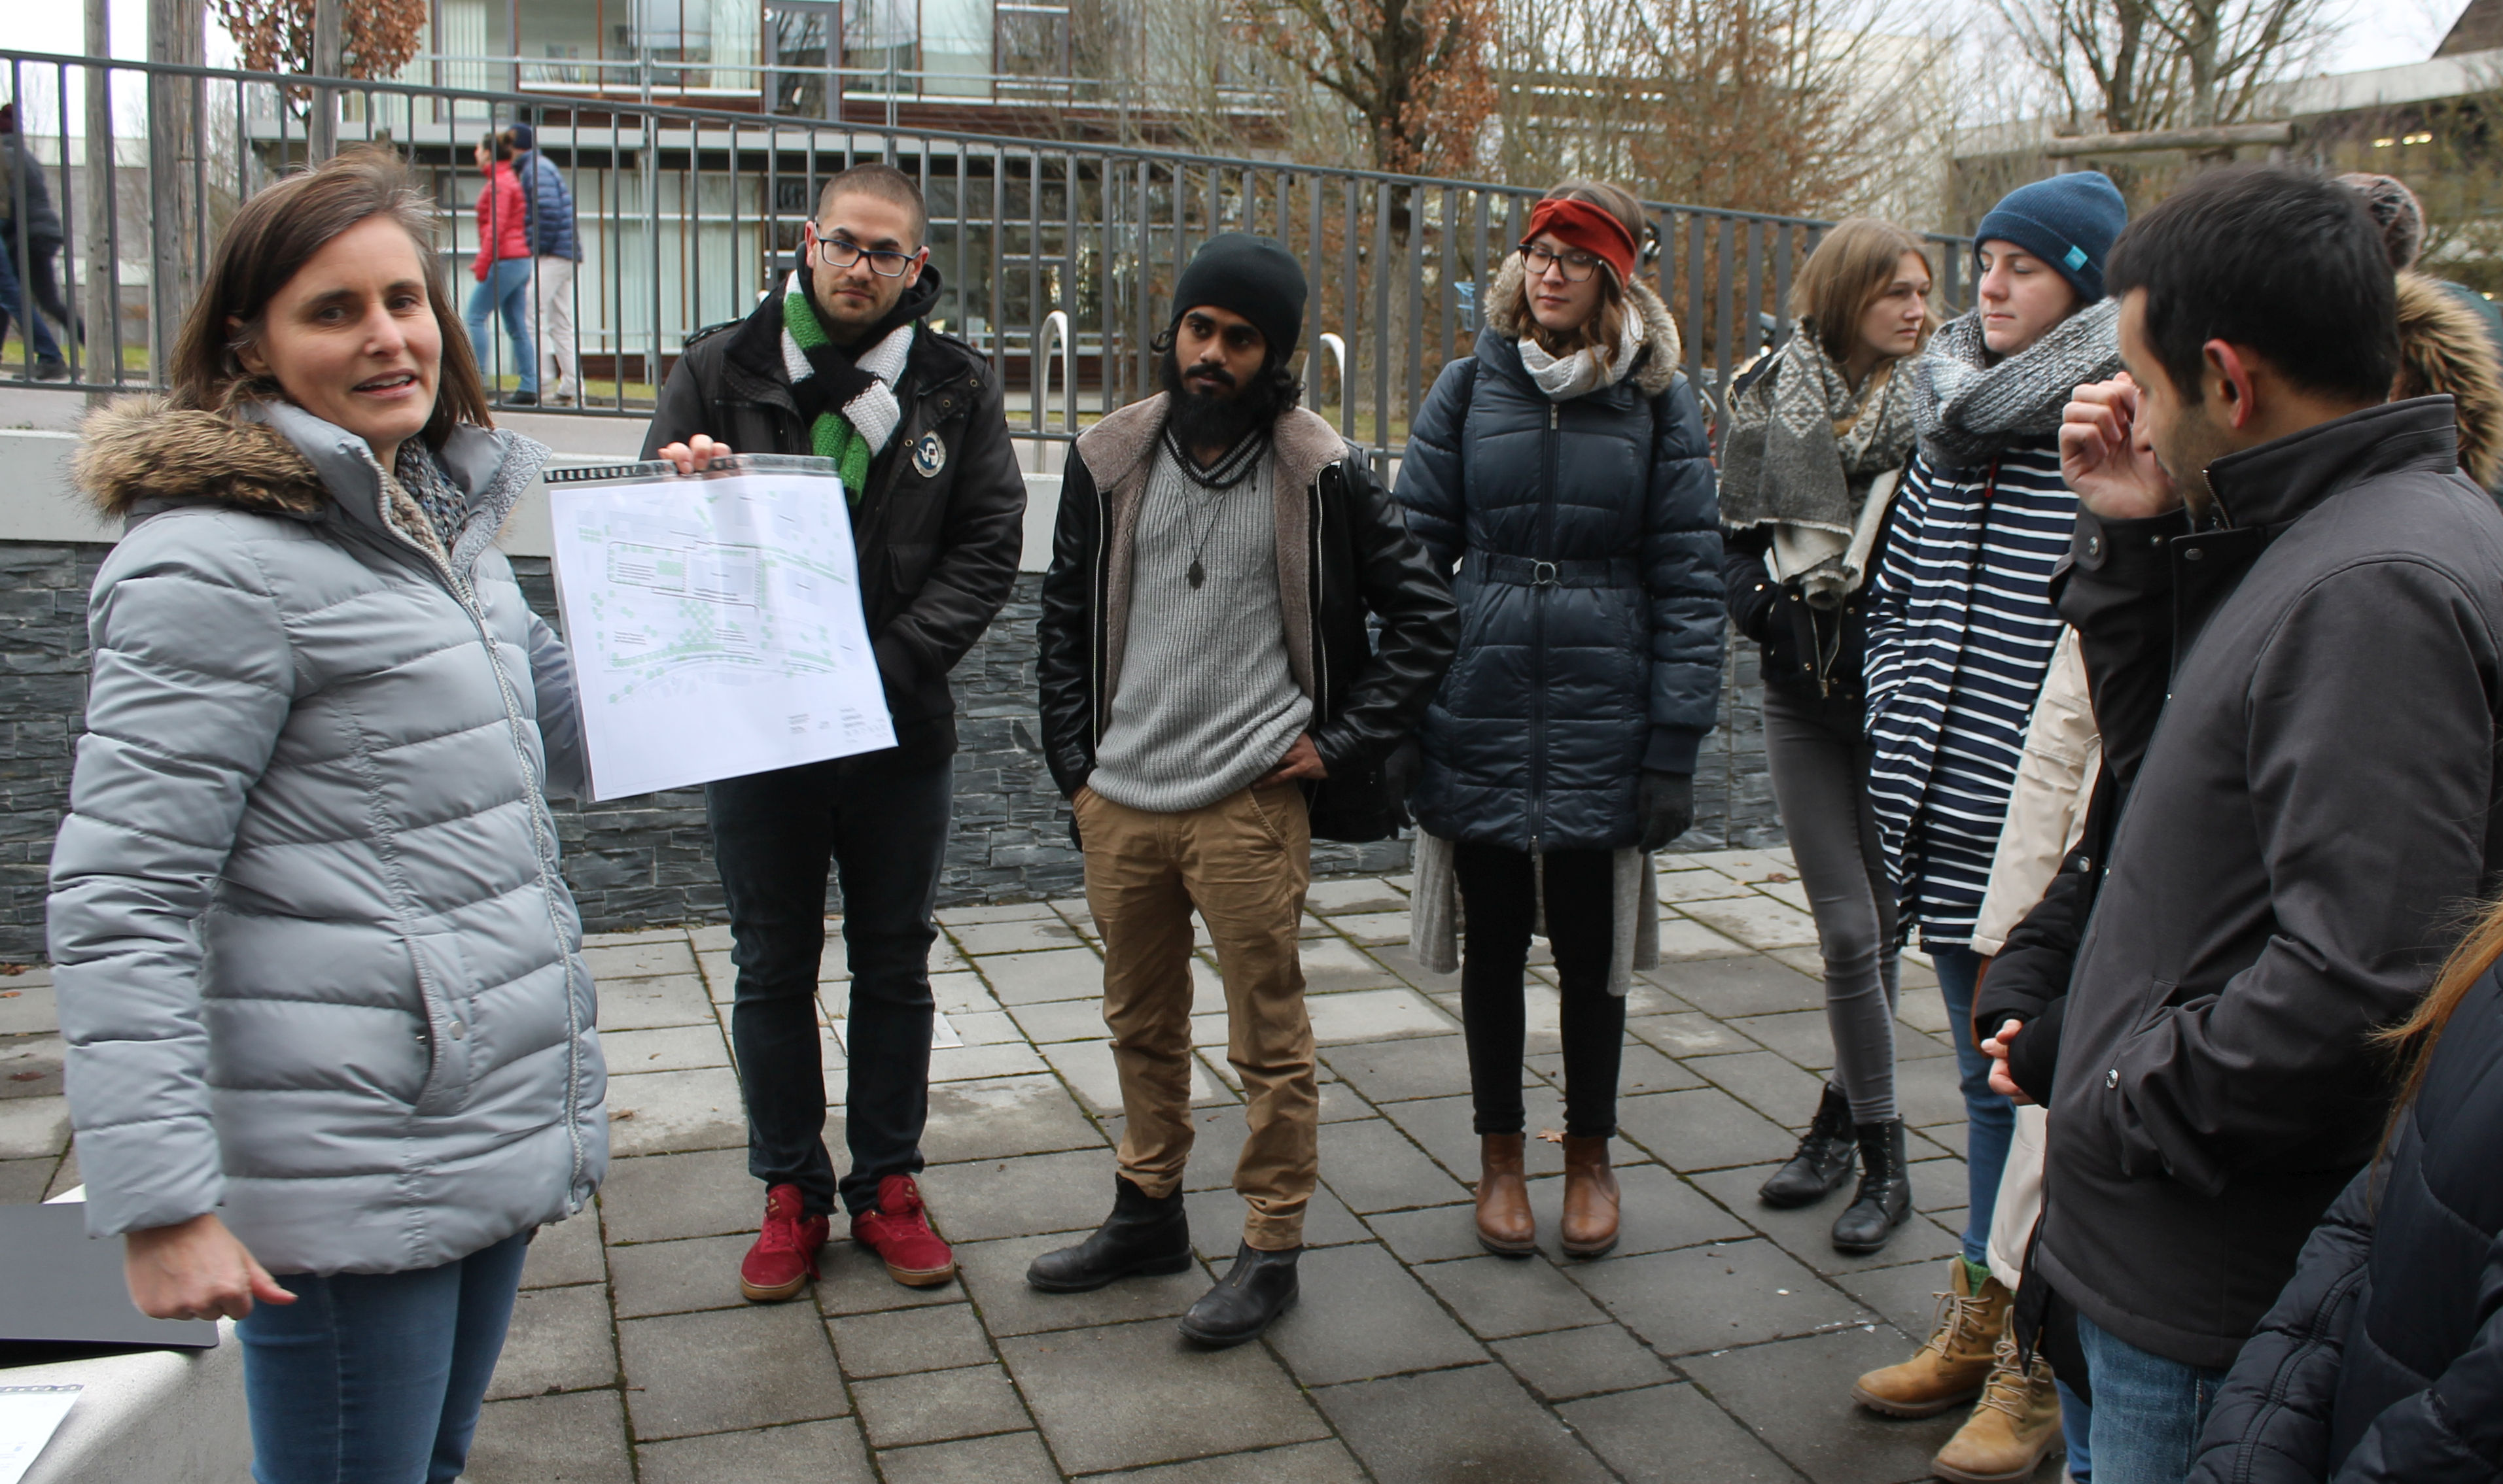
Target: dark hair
(497, 144)
(270, 240)
(2284, 263)
(887, 184)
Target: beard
(1220, 416)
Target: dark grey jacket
(2316, 803)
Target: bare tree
(1416, 74)
(2128, 65)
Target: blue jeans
(2149, 1411)
(880, 820)
(2076, 1419)
(375, 1378)
(1990, 1123)
(14, 305)
(506, 290)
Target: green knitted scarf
(832, 435)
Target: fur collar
(1507, 313)
(137, 448)
(2444, 348)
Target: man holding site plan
(839, 363)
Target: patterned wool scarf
(1803, 453)
(1968, 410)
(848, 400)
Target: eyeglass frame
(814, 251)
(1563, 262)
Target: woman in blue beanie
(1961, 630)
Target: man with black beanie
(1211, 703)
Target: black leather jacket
(1370, 689)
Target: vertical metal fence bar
(1380, 330)
(1446, 293)
(1034, 308)
(1414, 292)
(995, 312)
(652, 236)
(1782, 254)
(1726, 309)
(1349, 330)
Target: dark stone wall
(637, 862)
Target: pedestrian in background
(1817, 436)
(556, 251)
(842, 364)
(502, 269)
(30, 240)
(1213, 698)
(2318, 798)
(2449, 335)
(1961, 630)
(331, 1058)
(1561, 472)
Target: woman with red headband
(1561, 473)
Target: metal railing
(687, 216)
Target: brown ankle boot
(1590, 1225)
(1952, 1363)
(1505, 1226)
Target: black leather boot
(1823, 1161)
(1885, 1197)
(1255, 1290)
(1144, 1237)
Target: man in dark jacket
(556, 251)
(840, 364)
(1210, 703)
(2318, 798)
(30, 238)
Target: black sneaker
(52, 370)
(522, 399)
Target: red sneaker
(785, 1254)
(898, 1230)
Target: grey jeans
(1820, 766)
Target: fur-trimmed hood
(1507, 313)
(137, 449)
(2444, 348)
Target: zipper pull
(1550, 417)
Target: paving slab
(677, 1365)
(962, 994)
(1024, 935)
(30, 1065)
(1474, 1423)
(1061, 1019)
(940, 1337)
(998, 1117)
(566, 1252)
(577, 1438)
(1656, 1210)
(1354, 894)
(1088, 1068)
(27, 1006)
(1687, 1034)
(986, 1199)
(818, 1452)
(1639, 1070)
(1673, 1432)
(679, 1277)
(668, 1049)
(1361, 1315)
(851, 1280)
(559, 1341)
(936, 1406)
(1123, 1396)
(22, 1181)
(1704, 1298)
(1683, 938)
(665, 1197)
(1446, 1128)
(673, 1112)
(1498, 1298)
(1905, 1294)
(1324, 1462)
(1749, 984)
(1804, 1037)
(1331, 965)
(34, 1127)
(1806, 1232)
(1773, 1085)
(1372, 1167)
(1566, 1363)
(1008, 1458)
(985, 1028)
(1217, 1224)
(672, 955)
(1927, 1091)
(1702, 1129)
(1938, 1185)
(1795, 1395)
(962, 1064)
(1030, 978)
(994, 1275)
(1431, 1067)
(1374, 1015)
(1369, 929)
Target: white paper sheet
(28, 1416)
(716, 627)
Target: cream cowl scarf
(1566, 377)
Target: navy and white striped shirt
(1961, 630)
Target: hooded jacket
(317, 966)
(940, 527)
(2276, 888)
(1342, 552)
(2381, 1363)
(2445, 349)
(1587, 544)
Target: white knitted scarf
(1566, 377)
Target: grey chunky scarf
(1968, 410)
(1804, 453)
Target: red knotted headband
(1592, 229)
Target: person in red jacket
(503, 268)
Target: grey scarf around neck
(1968, 410)
(1799, 446)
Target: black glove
(1665, 804)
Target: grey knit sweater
(1205, 702)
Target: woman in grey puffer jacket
(322, 982)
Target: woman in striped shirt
(1961, 630)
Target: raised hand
(2105, 457)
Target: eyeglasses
(1578, 266)
(838, 252)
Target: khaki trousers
(1245, 861)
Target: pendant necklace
(1237, 466)
(1199, 574)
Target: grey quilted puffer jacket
(316, 964)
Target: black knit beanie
(1255, 277)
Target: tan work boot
(2013, 1426)
(1951, 1365)
(1505, 1226)
(1590, 1225)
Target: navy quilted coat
(2383, 1360)
(1586, 538)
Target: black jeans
(1499, 898)
(881, 820)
